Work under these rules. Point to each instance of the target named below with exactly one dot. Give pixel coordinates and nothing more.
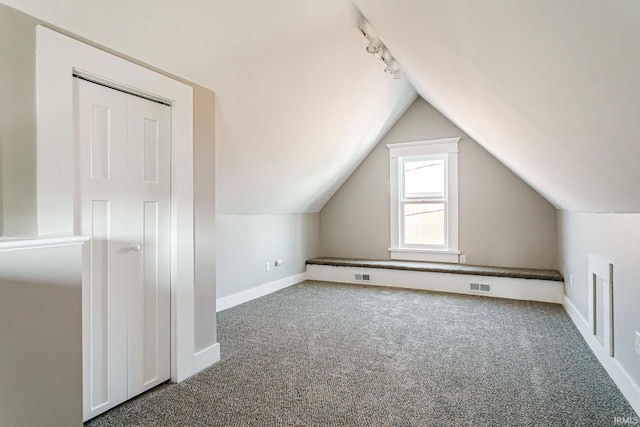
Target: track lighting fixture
(380, 51)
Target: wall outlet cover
(463, 259)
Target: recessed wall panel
(100, 141)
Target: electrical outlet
(267, 266)
(463, 259)
(637, 342)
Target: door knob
(136, 248)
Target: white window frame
(446, 148)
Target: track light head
(389, 69)
(374, 46)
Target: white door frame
(57, 57)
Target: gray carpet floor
(324, 354)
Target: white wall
(503, 221)
(17, 123)
(41, 337)
(204, 217)
(246, 242)
(617, 238)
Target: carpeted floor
(323, 354)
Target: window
(424, 200)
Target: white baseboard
(625, 383)
(258, 291)
(207, 357)
(501, 287)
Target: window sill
(430, 255)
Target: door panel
(100, 302)
(100, 136)
(101, 123)
(151, 147)
(151, 291)
(149, 154)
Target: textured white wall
(246, 242)
(503, 221)
(615, 237)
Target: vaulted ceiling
(299, 103)
(551, 88)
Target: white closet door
(124, 154)
(149, 136)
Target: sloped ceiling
(299, 103)
(551, 88)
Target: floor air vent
(362, 277)
(480, 288)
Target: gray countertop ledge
(440, 267)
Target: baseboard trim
(206, 357)
(618, 374)
(501, 287)
(258, 291)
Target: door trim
(57, 58)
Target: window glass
(424, 224)
(424, 178)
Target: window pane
(424, 179)
(424, 224)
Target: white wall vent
(362, 277)
(482, 288)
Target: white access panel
(601, 301)
(123, 145)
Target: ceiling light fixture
(380, 51)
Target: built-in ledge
(23, 243)
(437, 267)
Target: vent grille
(362, 277)
(482, 288)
